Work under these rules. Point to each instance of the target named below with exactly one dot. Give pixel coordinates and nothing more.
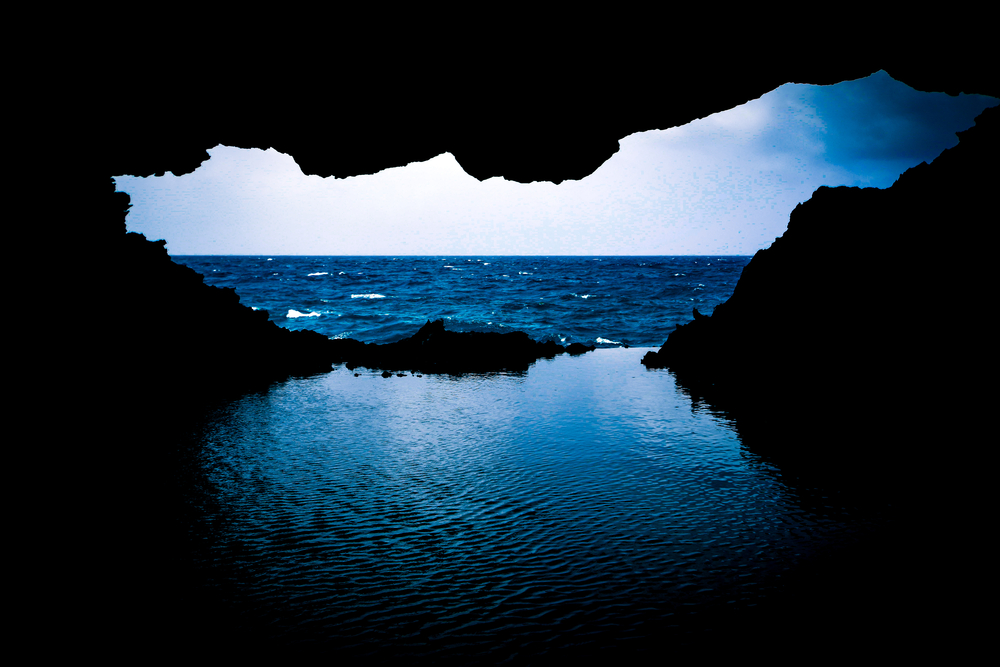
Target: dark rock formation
(434, 350)
(528, 112)
(853, 321)
(579, 348)
(203, 328)
(170, 337)
(853, 357)
(552, 108)
(146, 345)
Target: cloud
(879, 126)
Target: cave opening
(145, 384)
(720, 185)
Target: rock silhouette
(526, 115)
(553, 108)
(868, 299)
(434, 350)
(201, 331)
(850, 357)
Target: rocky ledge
(434, 350)
(863, 324)
(168, 336)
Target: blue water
(583, 504)
(603, 301)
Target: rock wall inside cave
(865, 320)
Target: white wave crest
(609, 342)
(321, 273)
(368, 296)
(295, 313)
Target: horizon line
(454, 255)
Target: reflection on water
(580, 504)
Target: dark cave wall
(132, 103)
(524, 115)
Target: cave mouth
(145, 587)
(723, 184)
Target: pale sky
(722, 185)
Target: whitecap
(321, 273)
(367, 296)
(295, 313)
(608, 342)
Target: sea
(601, 301)
(586, 505)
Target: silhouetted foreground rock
(852, 357)
(863, 324)
(434, 350)
(172, 337)
(512, 119)
(176, 333)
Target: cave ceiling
(519, 113)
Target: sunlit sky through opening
(722, 185)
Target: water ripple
(581, 502)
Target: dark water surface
(603, 301)
(582, 505)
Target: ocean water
(603, 301)
(583, 505)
